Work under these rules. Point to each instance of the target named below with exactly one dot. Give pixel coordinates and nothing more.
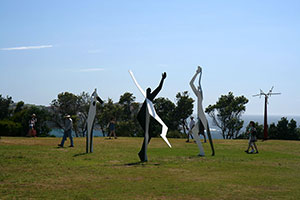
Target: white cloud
(26, 48)
(91, 69)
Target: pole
(266, 120)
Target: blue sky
(48, 47)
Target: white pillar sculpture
(201, 118)
(90, 121)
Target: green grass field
(34, 168)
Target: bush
(10, 128)
(175, 134)
(125, 128)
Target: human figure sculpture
(202, 123)
(144, 114)
(90, 121)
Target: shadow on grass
(79, 154)
(141, 163)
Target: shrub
(10, 128)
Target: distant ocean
(215, 131)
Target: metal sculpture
(144, 114)
(265, 110)
(202, 123)
(90, 121)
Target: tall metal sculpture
(144, 114)
(90, 121)
(202, 123)
(265, 110)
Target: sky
(49, 47)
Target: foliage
(259, 130)
(184, 108)
(226, 114)
(23, 116)
(164, 109)
(10, 128)
(4, 107)
(284, 130)
(67, 104)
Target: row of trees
(125, 112)
(226, 115)
(283, 130)
(14, 118)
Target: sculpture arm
(99, 99)
(136, 83)
(95, 94)
(157, 90)
(192, 83)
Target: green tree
(259, 130)
(19, 107)
(284, 130)
(226, 114)
(106, 112)
(126, 101)
(4, 107)
(43, 117)
(184, 108)
(66, 103)
(165, 109)
(84, 100)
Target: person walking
(252, 138)
(112, 128)
(67, 131)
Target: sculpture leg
(210, 140)
(87, 141)
(142, 119)
(195, 131)
(91, 140)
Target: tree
(24, 115)
(165, 109)
(284, 130)
(184, 108)
(19, 106)
(226, 114)
(106, 112)
(126, 101)
(66, 103)
(4, 107)
(259, 130)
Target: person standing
(252, 138)
(32, 122)
(67, 131)
(191, 126)
(112, 128)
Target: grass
(34, 168)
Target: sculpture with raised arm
(144, 114)
(90, 121)
(202, 123)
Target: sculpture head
(148, 92)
